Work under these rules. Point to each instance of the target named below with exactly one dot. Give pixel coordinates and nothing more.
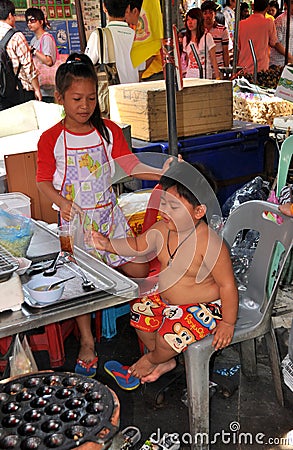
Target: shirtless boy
(197, 293)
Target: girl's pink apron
(87, 181)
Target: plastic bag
(15, 233)
(256, 189)
(22, 360)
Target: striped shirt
(281, 26)
(18, 51)
(221, 38)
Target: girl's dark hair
(79, 65)
(195, 13)
(276, 5)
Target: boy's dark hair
(209, 5)
(184, 178)
(260, 5)
(116, 8)
(79, 65)
(6, 7)
(135, 4)
(37, 13)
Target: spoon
(86, 285)
(50, 286)
(51, 270)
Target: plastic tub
(16, 202)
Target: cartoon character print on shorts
(206, 314)
(186, 324)
(146, 312)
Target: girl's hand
(69, 209)
(96, 239)
(169, 161)
(223, 335)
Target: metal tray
(72, 289)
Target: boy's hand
(96, 240)
(223, 335)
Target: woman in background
(274, 9)
(204, 46)
(43, 48)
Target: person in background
(277, 58)
(204, 45)
(80, 183)
(19, 52)
(229, 13)
(43, 47)
(154, 70)
(263, 34)
(274, 9)
(183, 55)
(244, 11)
(219, 33)
(119, 18)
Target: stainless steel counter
(45, 242)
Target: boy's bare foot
(149, 372)
(159, 370)
(142, 367)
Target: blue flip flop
(86, 369)
(120, 374)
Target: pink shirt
(263, 34)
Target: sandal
(120, 374)
(86, 369)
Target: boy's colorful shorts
(179, 325)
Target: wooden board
(203, 106)
(21, 177)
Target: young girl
(204, 46)
(43, 48)
(75, 165)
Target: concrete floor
(252, 408)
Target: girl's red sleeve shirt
(118, 149)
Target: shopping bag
(22, 360)
(106, 70)
(285, 87)
(47, 73)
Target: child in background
(197, 293)
(74, 168)
(183, 55)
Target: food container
(16, 203)
(57, 410)
(43, 296)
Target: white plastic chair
(254, 318)
(285, 156)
